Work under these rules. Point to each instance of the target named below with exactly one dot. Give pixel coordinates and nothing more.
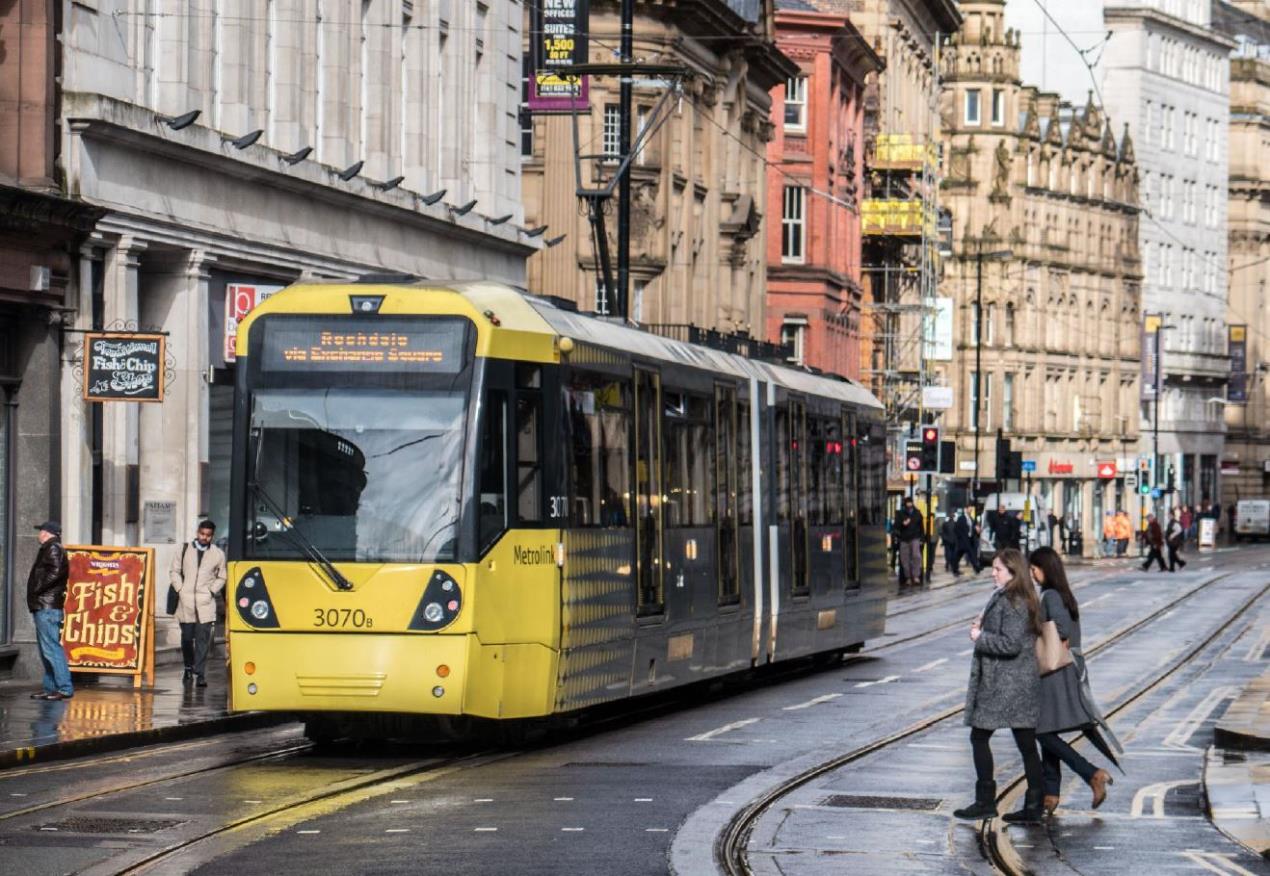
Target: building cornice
(1129, 14)
(97, 117)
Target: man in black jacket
(911, 533)
(45, 597)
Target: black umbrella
(1096, 739)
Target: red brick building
(815, 184)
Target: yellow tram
(463, 500)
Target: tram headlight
(251, 598)
(441, 603)
(251, 688)
(433, 612)
(260, 609)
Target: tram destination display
(434, 345)
(109, 594)
(121, 366)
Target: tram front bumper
(299, 672)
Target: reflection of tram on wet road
(466, 501)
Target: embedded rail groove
(994, 843)
(730, 848)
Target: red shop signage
(1061, 467)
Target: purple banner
(558, 42)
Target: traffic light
(947, 457)
(1172, 485)
(1014, 465)
(930, 448)
(1003, 459)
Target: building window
(1009, 325)
(641, 122)
(601, 296)
(972, 106)
(793, 227)
(1007, 403)
(796, 104)
(980, 414)
(638, 287)
(794, 336)
(998, 107)
(612, 135)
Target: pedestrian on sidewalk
(1175, 537)
(948, 539)
(1186, 517)
(1067, 705)
(1124, 532)
(1109, 534)
(1155, 544)
(965, 535)
(910, 530)
(46, 597)
(198, 575)
(1004, 689)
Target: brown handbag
(1052, 653)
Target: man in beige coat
(198, 575)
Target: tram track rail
(994, 842)
(731, 845)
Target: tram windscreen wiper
(307, 547)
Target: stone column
(120, 420)
(77, 459)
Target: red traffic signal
(930, 448)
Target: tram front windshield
(357, 437)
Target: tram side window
(831, 472)
(599, 426)
(493, 489)
(872, 474)
(744, 492)
(816, 512)
(782, 464)
(528, 446)
(689, 460)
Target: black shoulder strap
(185, 547)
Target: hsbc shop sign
(240, 300)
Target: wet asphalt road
(615, 801)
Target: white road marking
(643, 799)
(484, 829)
(812, 702)
(932, 664)
(1215, 862)
(1258, 647)
(1104, 848)
(174, 799)
(966, 653)
(253, 801)
(1158, 791)
(397, 830)
(398, 801)
(572, 829)
(563, 799)
(1192, 722)
(719, 731)
(53, 829)
(483, 800)
(16, 794)
(1094, 600)
(887, 680)
(308, 831)
(656, 830)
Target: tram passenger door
(725, 493)
(648, 512)
(797, 496)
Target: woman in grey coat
(1004, 690)
(1066, 703)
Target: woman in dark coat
(1066, 703)
(1004, 690)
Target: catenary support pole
(627, 49)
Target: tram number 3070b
(342, 617)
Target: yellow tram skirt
(410, 673)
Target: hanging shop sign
(124, 366)
(240, 300)
(1237, 340)
(558, 42)
(107, 626)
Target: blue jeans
(48, 632)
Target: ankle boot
(1098, 783)
(985, 805)
(1033, 811)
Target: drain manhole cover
(103, 824)
(855, 801)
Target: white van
(1252, 518)
(1037, 531)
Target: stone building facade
(815, 185)
(1246, 459)
(1166, 72)
(1056, 190)
(698, 189)
(230, 148)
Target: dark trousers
(1025, 739)
(1175, 558)
(1154, 556)
(1054, 753)
(196, 641)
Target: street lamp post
(1159, 394)
(998, 255)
